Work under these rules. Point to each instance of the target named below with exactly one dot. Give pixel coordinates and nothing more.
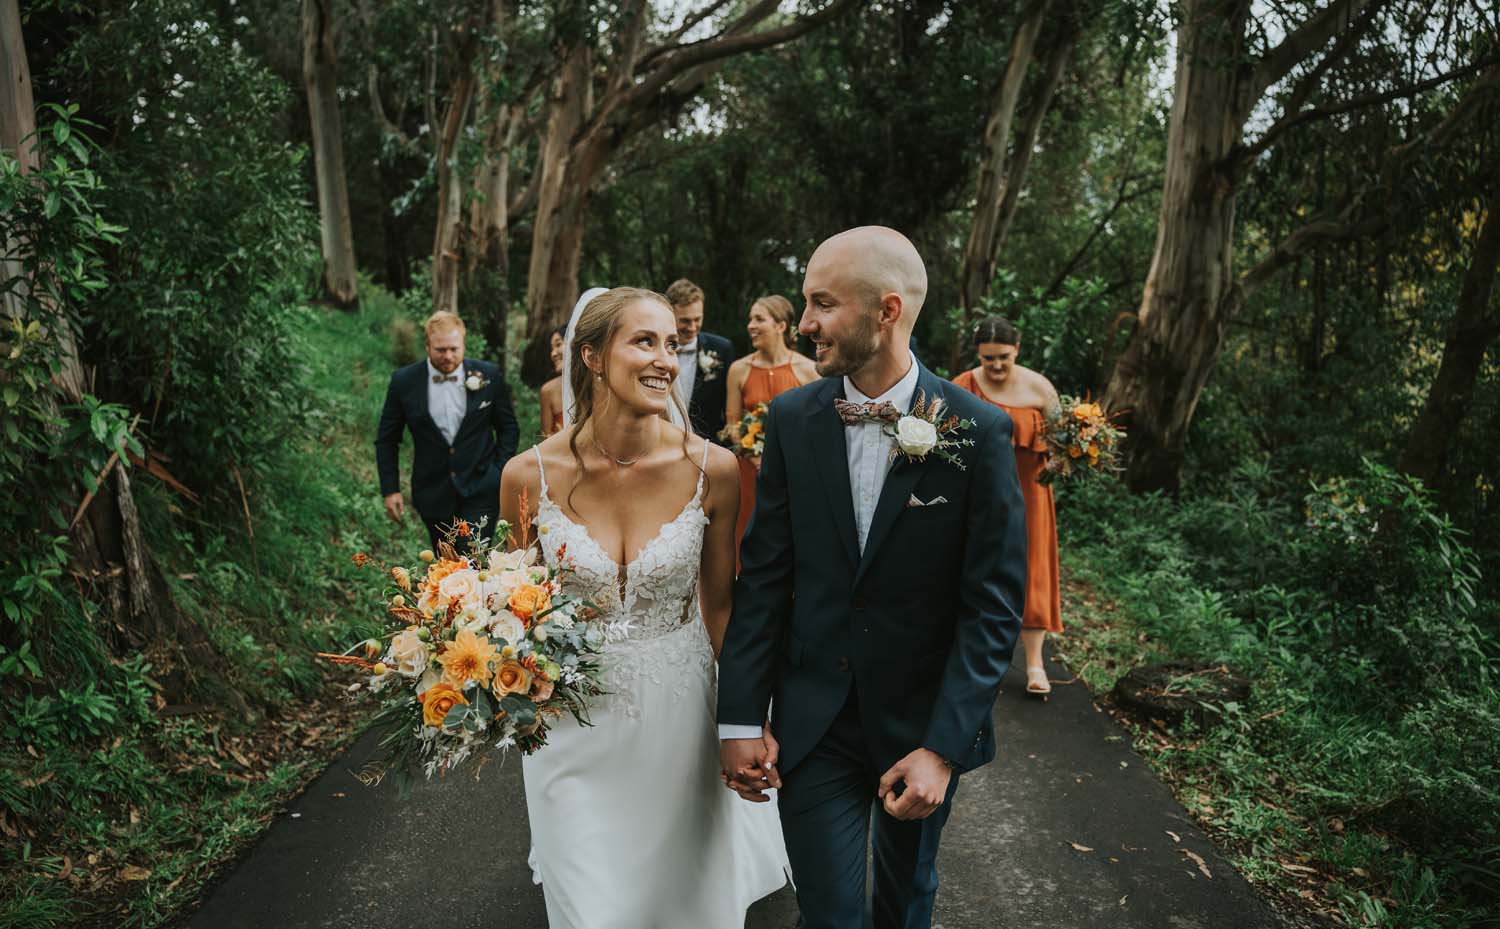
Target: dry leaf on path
(134, 873)
(1080, 848)
(1175, 837)
(1198, 860)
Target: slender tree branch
(1312, 35)
(670, 43)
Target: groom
(463, 430)
(909, 578)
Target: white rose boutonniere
(709, 363)
(928, 430)
(476, 381)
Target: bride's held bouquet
(747, 437)
(483, 650)
(1081, 439)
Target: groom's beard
(854, 351)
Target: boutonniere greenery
(708, 363)
(476, 381)
(929, 430)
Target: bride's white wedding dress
(631, 827)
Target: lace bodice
(657, 594)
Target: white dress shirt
(687, 370)
(446, 402)
(869, 451)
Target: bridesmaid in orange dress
(1028, 397)
(774, 367)
(551, 393)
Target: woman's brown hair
(780, 310)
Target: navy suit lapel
(831, 454)
(900, 482)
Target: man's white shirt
(687, 370)
(446, 402)
(869, 453)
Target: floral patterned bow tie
(852, 413)
(443, 378)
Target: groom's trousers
(829, 813)
(470, 509)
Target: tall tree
(320, 76)
(1191, 291)
(592, 115)
(1004, 162)
(1475, 327)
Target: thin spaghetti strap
(540, 471)
(702, 469)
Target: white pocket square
(484, 404)
(933, 502)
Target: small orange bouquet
(1081, 439)
(483, 651)
(747, 438)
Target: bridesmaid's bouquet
(483, 651)
(747, 438)
(1080, 439)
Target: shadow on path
(343, 855)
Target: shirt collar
(433, 372)
(688, 347)
(900, 395)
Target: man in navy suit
(463, 431)
(703, 359)
(910, 578)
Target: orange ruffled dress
(1042, 600)
(762, 385)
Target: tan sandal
(1037, 683)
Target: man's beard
(855, 351)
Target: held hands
(395, 506)
(749, 765)
(926, 775)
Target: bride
(631, 826)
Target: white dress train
(631, 827)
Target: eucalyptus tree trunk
(589, 125)
(320, 75)
(1191, 291)
(1475, 326)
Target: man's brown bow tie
(441, 378)
(852, 413)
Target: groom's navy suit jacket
(441, 474)
(922, 624)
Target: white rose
(462, 585)
(506, 626)
(916, 436)
(473, 382)
(511, 561)
(409, 653)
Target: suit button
(859, 603)
(451, 451)
(453, 474)
(843, 663)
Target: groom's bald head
(877, 262)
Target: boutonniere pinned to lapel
(927, 430)
(476, 381)
(708, 363)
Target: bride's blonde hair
(596, 328)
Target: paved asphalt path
(1067, 829)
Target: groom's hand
(926, 775)
(395, 506)
(749, 765)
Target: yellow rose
(748, 441)
(437, 701)
(528, 600)
(512, 678)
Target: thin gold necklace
(622, 462)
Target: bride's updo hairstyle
(596, 328)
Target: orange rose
(527, 600)
(1074, 451)
(437, 701)
(748, 441)
(512, 678)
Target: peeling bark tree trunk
(1475, 326)
(1190, 291)
(320, 74)
(107, 547)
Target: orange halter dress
(762, 385)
